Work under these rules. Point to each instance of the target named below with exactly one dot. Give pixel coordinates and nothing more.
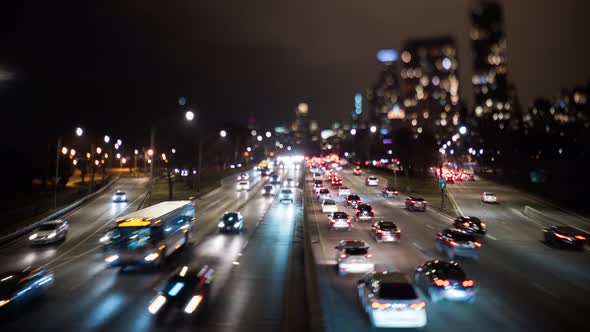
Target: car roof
(53, 222)
(390, 277)
(487, 193)
(364, 205)
(343, 187)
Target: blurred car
(390, 300)
(357, 171)
(352, 200)
(268, 190)
(372, 181)
(445, 280)
(414, 203)
(449, 180)
(50, 231)
(329, 206)
(471, 225)
(275, 179)
(324, 194)
(343, 191)
(286, 195)
(364, 212)
(385, 231)
(352, 256)
(231, 222)
(106, 240)
(339, 221)
(289, 183)
(119, 196)
(317, 185)
(243, 176)
(389, 192)
(243, 185)
(336, 182)
(457, 243)
(488, 197)
(185, 292)
(317, 175)
(18, 288)
(564, 236)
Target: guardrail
(60, 213)
(536, 214)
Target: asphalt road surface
(250, 279)
(523, 284)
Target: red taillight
(561, 236)
(439, 235)
(333, 220)
(372, 210)
(453, 243)
(379, 305)
(398, 231)
(343, 256)
(468, 283)
(418, 306)
(348, 220)
(441, 282)
(369, 255)
(379, 231)
(580, 237)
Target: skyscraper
(493, 94)
(430, 85)
(383, 97)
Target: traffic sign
(442, 184)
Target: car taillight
(439, 235)
(441, 282)
(561, 236)
(468, 283)
(580, 237)
(483, 225)
(379, 305)
(466, 224)
(379, 231)
(477, 244)
(453, 243)
(333, 220)
(343, 256)
(348, 220)
(372, 210)
(369, 255)
(398, 231)
(418, 306)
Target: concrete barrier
(60, 213)
(538, 215)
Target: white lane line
(429, 226)
(406, 212)
(538, 286)
(454, 203)
(417, 246)
(491, 237)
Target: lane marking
(417, 246)
(538, 286)
(491, 237)
(429, 226)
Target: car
(372, 181)
(243, 185)
(185, 292)
(336, 182)
(416, 203)
(385, 231)
(352, 256)
(264, 172)
(390, 300)
(449, 180)
(18, 288)
(268, 190)
(339, 221)
(243, 176)
(445, 280)
(275, 179)
(119, 197)
(471, 225)
(488, 197)
(457, 243)
(317, 175)
(289, 183)
(317, 186)
(231, 222)
(352, 200)
(343, 191)
(564, 236)
(324, 194)
(364, 212)
(357, 171)
(329, 206)
(389, 192)
(286, 195)
(50, 231)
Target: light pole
(56, 172)
(190, 116)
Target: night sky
(120, 65)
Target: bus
(148, 236)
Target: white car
(352, 256)
(243, 185)
(390, 300)
(50, 231)
(119, 196)
(343, 191)
(372, 181)
(286, 195)
(488, 197)
(329, 206)
(324, 193)
(340, 220)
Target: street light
(116, 146)
(189, 115)
(353, 131)
(223, 133)
(107, 138)
(173, 151)
(72, 152)
(253, 132)
(119, 142)
(118, 156)
(268, 134)
(249, 149)
(463, 130)
(150, 152)
(64, 150)
(373, 129)
(136, 151)
(79, 131)
(259, 138)
(98, 150)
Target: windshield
(230, 217)
(450, 271)
(387, 225)
(340, 215)
(462, 237)
(47, 227)
(356, 251)
(396, 291)
(131, 237)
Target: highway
(250, 279)
(523, 285)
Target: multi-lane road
(250, 268)
(523, 284)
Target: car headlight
(192, 305)
(124, 197)
(221, 224)
(4, 302)
(111, 258)
(51, 236)
(156, 304)
(33, 236)
(151, 257)
(104, 238)
(238, 224)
